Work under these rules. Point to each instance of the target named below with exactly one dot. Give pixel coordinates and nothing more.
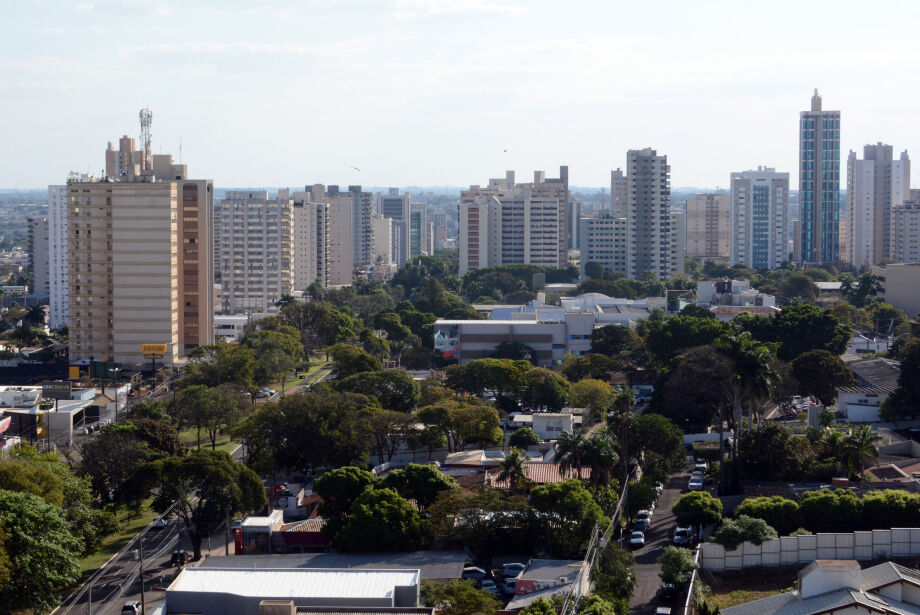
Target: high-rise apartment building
(39, 257)
(905, 238)
(339, 232)
(709, 219)
(362, 224)
(619, 191)
(418, 229)
(383, 240)
(57, 256)
(507, 223)
(119, 162)
(574, 215)
(310, 239)
(124, 260)
(395, 206)
(760, 223)
(603, 240)
(678, 240)
(876, 186)
(819, 183)
(196, 259)
(256, 250)
(648, 214)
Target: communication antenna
(146, 118)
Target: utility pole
(140, 547)
(90, 601)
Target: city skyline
(288, 94)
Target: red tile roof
(538, 472)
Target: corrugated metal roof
(431, 564)
(318, 610)
(295, 582)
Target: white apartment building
(362, 210)
(256, 253)
(648, 214)
(603, 240)
(876, 186)
(678, 240)
(395, 206)
(508, 223)
(383, 239)
(39, 257)
(619, 192)
(901, 286)
(709, 218)
(905, 229)
(760, 224)
(310, 241)
(57, 256)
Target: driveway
(645, 598)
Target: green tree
(110, 459)
(830, 511)
(594, 269)
(567, 516)
(677, 565)
(422, 483)
(194, 405)
(389, 430)
(595, 605)
(570, 449)
(463, 421)
(459, 598)
(858, 291)
(515, 351)
(523, 437)
(486, 522)
(514, 470)
(798, 329)
(394, 388)
(905, 401)
(207, 487)
(658, 444)
(339, 489)
(597, 366)
(860, 444)
(733, 532)
(42, 553)
(666, 339)
(544, 390)
(600, 453)
(319, 322)
(696, 311)
(215, 364)
(613, 340)
(697, 508)
(613, 577)
(596, 395)
(277, 352)
(821, 373)
(786, 455)
(381, 520)
(778, 512)
(690, 392)
(348, 360)
(224, 411)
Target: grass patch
(128, 527)
(190, 438)
(295, 381)
(731, 588)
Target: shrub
(741, 529)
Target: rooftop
(877, 372)
(551, 569)
(294, 582)
(431, 564)
(540, 473)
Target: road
(645, 598)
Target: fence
(794, 550)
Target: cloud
(414, 9)
(336, 49)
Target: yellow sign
(153, 348)
(74, 371)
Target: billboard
(153, 348)
(57, 389)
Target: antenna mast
(146, 118)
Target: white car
(644, 514)
(489, 585)
(700, 465)
(512, 569)
(637, 539)
(509, 586)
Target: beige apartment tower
(123, 272)
(709, 220)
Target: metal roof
(319, 610)
(431, 564)
(551, 569)
(294, 582)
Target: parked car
(512, 569)
(698, 473)
(490, 586)
(509, 586)
(641, 525)
(700, 465)
(683, 536)
(637, 539)
(474, 573)
(160, 523)
(695, 484)
(132, 607)
(237, 523)
(659, 487)
(644, 514)
(179, 558)
(668, 591)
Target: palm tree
(35, 316)
(859, 444)
(514, 470)
(569, 451)
(600, 454)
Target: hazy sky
(432, 92)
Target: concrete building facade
(819, 183)
(256, 263)
(678, 240)
(876, 186)
(310, 240)
(648, 214)
(39, 257)
(383, 239)
(123, 274)
(57, 256)
(905, 229)
(508, 223)
(901, 286)
(619, 192)
(760, 223)
(709, 219)
(603, 240)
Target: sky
(447, 92)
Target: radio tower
(146, 117)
